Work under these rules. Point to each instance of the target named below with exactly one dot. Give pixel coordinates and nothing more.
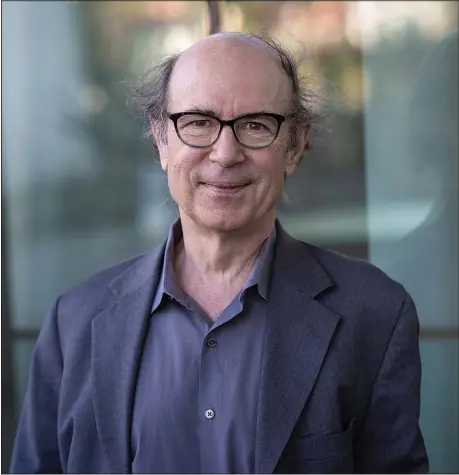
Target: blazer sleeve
(36, 444)
(390, 440)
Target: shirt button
(210, 414)
(211, 343)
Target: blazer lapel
(118, 334)
(299, 331)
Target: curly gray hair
(149, 94)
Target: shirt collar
(168, 285)
(262, 269)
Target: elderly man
(232, 347)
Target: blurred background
(81, 188)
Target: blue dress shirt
(197, 392)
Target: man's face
(229, 77)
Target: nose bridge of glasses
(226, 149)
(232, 131)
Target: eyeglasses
(252, 130)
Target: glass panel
(410, 66)
(411, 153)
(82, 189)
(440, 404)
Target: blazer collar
(297, 268)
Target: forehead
(230, 77)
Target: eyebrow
(200, 110)
(208, 111)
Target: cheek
(273, 167)
(178, 179)
(182, 166)
(172, 151)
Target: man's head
(233, 180)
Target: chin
(223, 221)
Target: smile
(225, 188)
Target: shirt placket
(211, 416)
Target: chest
(197, 393)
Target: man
(232, 347)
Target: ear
(159, 143)
(294, 155)
(162, 149)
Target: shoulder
(355, 274)
(79, 305)
(96, 288)
(370, 304)
(360, 289)
(342, 281)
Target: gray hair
(150, 100)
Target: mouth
(225, 188)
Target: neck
(219, 257)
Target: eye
(195, 123)
(200, 123)
(256, 126)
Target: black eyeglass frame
(279, 118)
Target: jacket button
(210, 414)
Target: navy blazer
(340, 377)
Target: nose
(226, 151)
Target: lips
(225, 185)
(224, 189)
